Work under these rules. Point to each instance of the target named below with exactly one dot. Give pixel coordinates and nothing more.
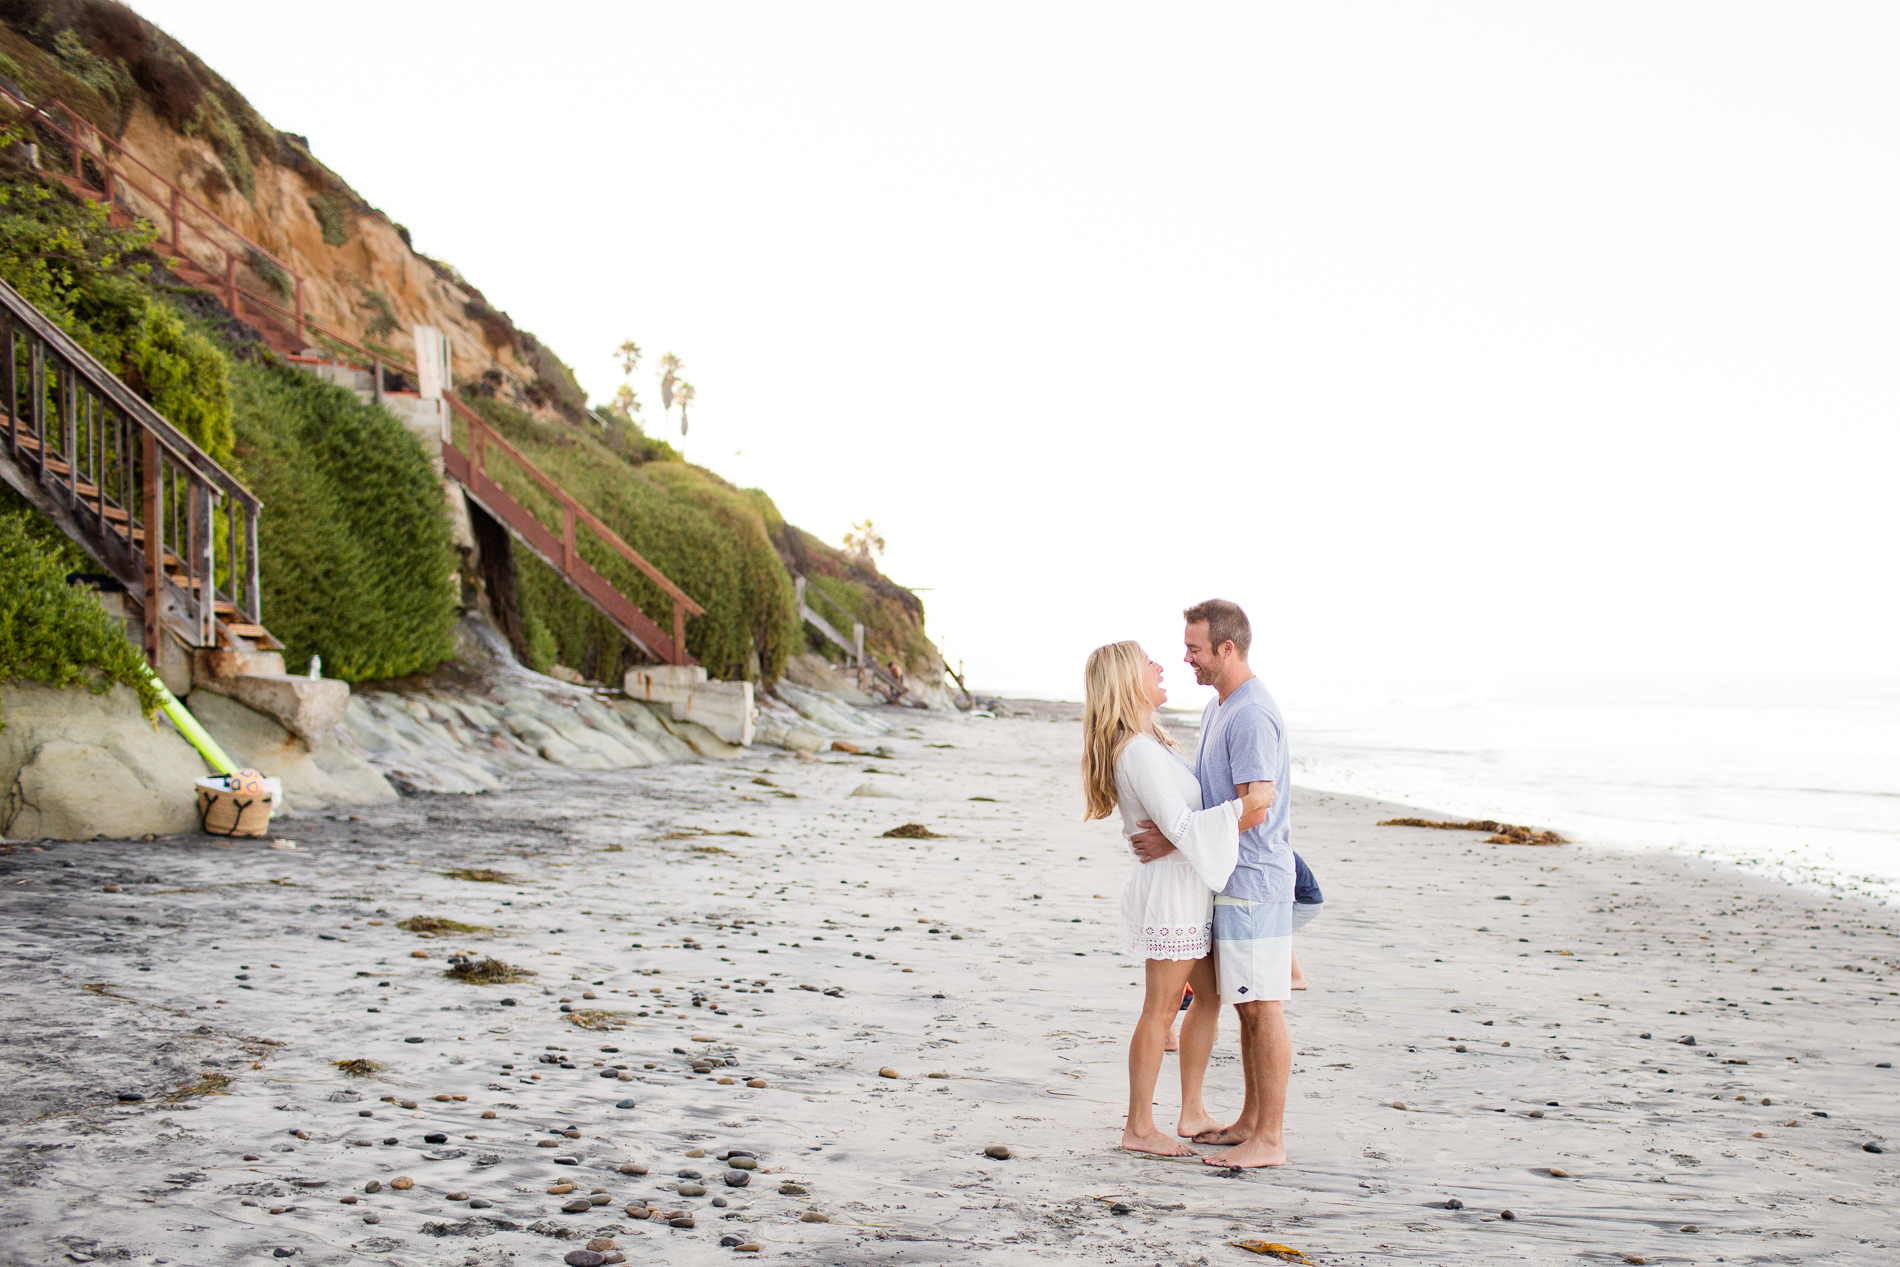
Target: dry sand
(1478, 985)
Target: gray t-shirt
(1244, 741)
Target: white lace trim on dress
(1163, 942)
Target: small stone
(567, 1161)
(408, 1104)
(130, 1097)
(583, 1258)
(110, 888)
(998, 1151)
(688, 1188)
(689, 1174)
(1121, 1207)
(373, 1186)
(600, 1198)
(488, 1114)
(1690, 1227)
(435, 1137)
(725, 1082)
(1555, 1173)
(695, 1152)
(250, 1157)
(601, 1244)
(728, 1242)
(790, 1189)
(813, 1216)
(626, 1104)
(1459, 1047)
(742, 1161)
(560, 1189)
(1871, 1147)
(1506, 1215)
(412, 1040)
(1883, 1064)
(1766, 1101)
(1535, 1113)
(443, 1099)
(638, 1211)
(936, 1075)
(479, 1204)
(750, 1247)
(758, 1083)
(737, 1179)
(632, 1168)
(720, 1202)
(577, 1205)
(1638, 1259)
(352, 1199)
(456, 1196)
(402, 1183)
(547, 1143)
(887, 1072)
(1399, 1104)
(589, 994)
(684, 1220)
(372, 1218)
(418, 954)
(837, 745)
(1687, 1040)
(1453, 1203)
(571, 1134)
(281, 1252)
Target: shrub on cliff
(54, 633)
(356, 561)
(67, 261)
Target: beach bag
(224, 811)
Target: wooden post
(857, 640)
(567, 540)
(154, 548)
(679, 633)
(303, 337)
(375, 363)
(230, 285)
(177, 250)
(69, 431)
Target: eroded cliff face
(370, 287)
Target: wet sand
(1478, 985)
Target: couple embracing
(1210, 899)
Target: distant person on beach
(1243, 751)
(1129, 762)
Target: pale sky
(1455, 341)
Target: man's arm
(1149, 844)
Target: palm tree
(864, 541)
(684, 395)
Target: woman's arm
(1208, 838)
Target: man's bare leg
(1198, 1031)
(1266, 1054)
(1159, 1005)
(1299, 978)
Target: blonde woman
(1128, 762)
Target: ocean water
(1800, 781)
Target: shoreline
(1419, 975)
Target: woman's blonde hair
(1115, 709)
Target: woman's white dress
(1168, 904)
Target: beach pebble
(1506, 1214)
(737, 1179)
(1121, 1207)
(443, 1099)
(689, 1174)
(1453, 1203)
(479, 1204)
(936, 1075)
(250, 1157)
(418, 954)
(456, 1196)
(352, 1199)
(583, 1258)
(1638, 1259)
(560, 1189)
(750, 1247)
(813, 1216)
(625, 1104)
(759, 1083)
(435, 1137)
(632, 1168)
(567, 1161)
(577, 1205)
(1399, 1104)
(1690, 1227)
(728, 1242)
(409, 1104)
(725, 1082)
(695, 1152)
(743, 1161)
(790, 1189)
(1555, 1173)
(1459, 1047)
(373, 1186)
(688, 1188)
(1535, 1113)
(488, 1114)
(372, 1218)
(402, 1183)
(998, 1151)
(1871, 1147)
(684, 1220)
(601, 1244)
(887, 1072)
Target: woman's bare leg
(1198, 1031)
(1161, 1002)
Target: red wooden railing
(194, 234)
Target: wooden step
(248, 631)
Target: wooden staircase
(211, 255)
(176, 530)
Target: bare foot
(1299, 983)
(1249, 1155)
(1197, 1127)
(1174, 1040)
(1154, 1142)
(1228, 1135)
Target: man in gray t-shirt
(1243, 745)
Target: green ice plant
(57, 634)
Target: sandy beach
(1640, 1056)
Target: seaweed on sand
(359, 1068)
(598, 1019)
(911, 831)
(209, 1084)
(1503, 833)
(484, 971)
(484, 875)
(435, 924)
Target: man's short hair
(1225, 623)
